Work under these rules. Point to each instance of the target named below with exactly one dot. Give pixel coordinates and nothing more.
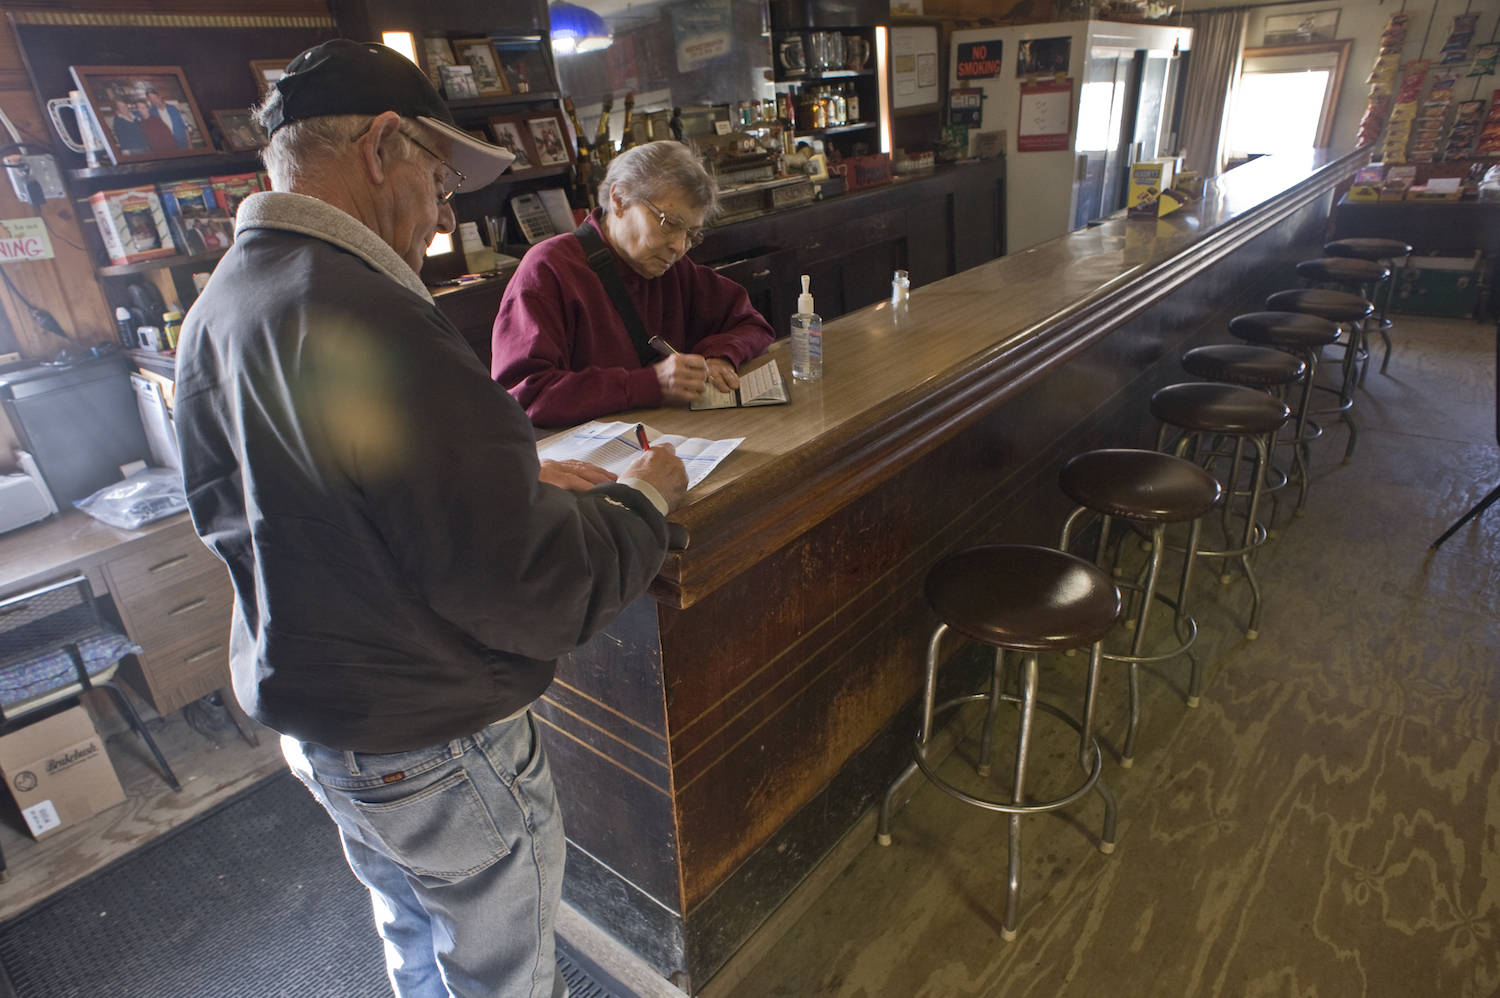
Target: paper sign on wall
(1046, 116)
(24, 239)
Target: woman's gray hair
(302, 148)
(659, 170)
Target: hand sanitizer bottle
(807, 337)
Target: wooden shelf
(827, 74)
(162, 263)
(836, 129)
(511, 100)
(152, 170)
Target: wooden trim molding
(140, 19)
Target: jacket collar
(313, 217)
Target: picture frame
(458, 82)
(550, 140)
(266, 73)
(512, 133)
(525, 68)
(479, 55)
(436, 53)
(1308, 28)
(239, 129)
(144, 112)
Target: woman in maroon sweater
(559, 345)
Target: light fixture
(401, 41)
(576, 29)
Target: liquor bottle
(604, 149)
(851, 102)
(584, 190)
(627, 134)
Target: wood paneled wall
(65, 285)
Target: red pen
(640, 435)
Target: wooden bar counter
(715, 743)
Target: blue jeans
(461, 847)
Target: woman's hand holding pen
(715, 371)
(682, 377)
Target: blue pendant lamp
(576, 29)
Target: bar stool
(1148, 489)
(1360, 277)
(1273, 371)
(1342, 308)
(1385, 251)
(1305, 336)
(1025, 599)
(1202, 409)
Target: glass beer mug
(90, 139)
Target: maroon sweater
(560, 347)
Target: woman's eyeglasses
(672, 226)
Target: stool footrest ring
(1096, 766)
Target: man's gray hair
(302, 148)
(660, 170)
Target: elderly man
(405, 571)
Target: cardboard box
(1148, 178)
(58, 771)
(132, 225)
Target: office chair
(1494, 493)
(54, 646)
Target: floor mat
(252, 900)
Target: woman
(559, 344)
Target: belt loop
(456, 747)
(351, 763)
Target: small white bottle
(807, 337)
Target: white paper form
(612, 446)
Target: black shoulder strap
(602, 262)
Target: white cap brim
(478, 161)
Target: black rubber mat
(251, 900)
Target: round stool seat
(1343, 270)
(1023, 597)
(1337, 306)
(1242, 364)
(1214, 408)
(1367, 249)
(1296, 330)
(1143, 485)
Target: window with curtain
(1286, 98)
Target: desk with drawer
(172, 595)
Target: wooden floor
(1326, 824)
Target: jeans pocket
(442, 832)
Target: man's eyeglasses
(672, 226)
(451, 180)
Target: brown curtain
(1213, 70)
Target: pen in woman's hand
(661, 346)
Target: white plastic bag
(133, 502)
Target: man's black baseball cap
(348, 77)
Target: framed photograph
(146, 112)
(240, 131)
(513, 135)
(525, 68)
(479, 55)
(436, 53)
(550, 140)
(1301, 29)
(266, 73)
(458, 82)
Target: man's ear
(375, 151)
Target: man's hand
(721, 374)
(682, 377)
(575, 476)
(662, 469)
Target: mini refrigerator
(1123, 106)
(78, 420)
